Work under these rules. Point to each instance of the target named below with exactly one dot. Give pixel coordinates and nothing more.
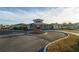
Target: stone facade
(37, 28)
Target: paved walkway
(75, 33)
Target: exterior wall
(45, 26)
(28, 26)
(0, 27)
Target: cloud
(69, 15)
(49, 15)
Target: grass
(69, 44)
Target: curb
(45, 49)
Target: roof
(37, 20)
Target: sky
(15, 15)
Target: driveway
(26, 43)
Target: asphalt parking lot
(24, 42)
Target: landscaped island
(71, 43)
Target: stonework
(38, 26)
